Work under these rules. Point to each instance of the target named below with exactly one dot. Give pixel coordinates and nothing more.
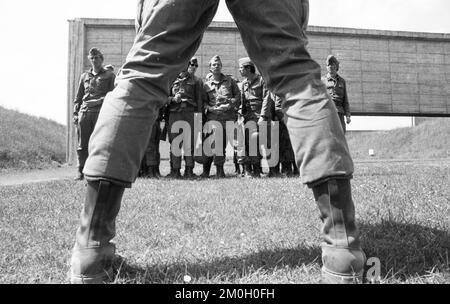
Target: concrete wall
(388, 73)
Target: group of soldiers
(216, 97)
(219, 98)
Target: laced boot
(256, 170)
(93, 253)
(286, 169)
(342, 257)
(80, 175)
(174, 173)
(189, 173)
(220, 173)
(206, 169)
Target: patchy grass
(234, 230)
(30, 142)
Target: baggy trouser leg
(342, 257)
(93, 253)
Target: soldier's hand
(177, 98)
(75, 120)
(349, 119)
(261, 120)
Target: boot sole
(100, 278)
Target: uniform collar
(102, 70)
(331, 78)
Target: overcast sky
(34, 39)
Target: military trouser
(152, 155)
(85, 127)
(169, 33)
(184, 143)
(286, 152)
(250, 154)
(218, 142)
(342, 120)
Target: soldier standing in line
(168, 33)
(92, 89)
(184, 102)
(253, 92)
(152, 158)
(223, 97)
(337, 88)
(271, 110)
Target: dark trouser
(184, 142)
(342, 119)
(218, 142)
(251, 149)
(85, 127)
(152, 155)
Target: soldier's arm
(79, 97)
(268, 105)
(345, 103)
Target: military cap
(214, 59)
(245, 61)
(95, 52)
(332, 59)
(193, 61)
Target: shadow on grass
(406, 251)
(229, 268)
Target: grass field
(234, 230)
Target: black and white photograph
(225, 148)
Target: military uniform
(253, 92)
(189, 88)
(272, 111)
(168, 33)
(91, 92)
(152, 158)
(223, 97)
(337, 88)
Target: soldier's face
(96, 61)
(215, 67)
(192, 69)
(245, 71)
(332, 69)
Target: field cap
(193, 61)
(332, 59)
(246, 61)
(215, 58)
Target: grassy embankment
(29, 142)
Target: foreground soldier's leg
(168, 35)
(317, 138)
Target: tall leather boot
(80, 175)
(237, 169)
(206, 169)
(295, 171)
(174, 173)
(220, 173)
(342, 257)
(189, 173)
(286, 169)
(93, 252)
(274, 171)
(157, 172)
(247, 172)
(256, 170)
